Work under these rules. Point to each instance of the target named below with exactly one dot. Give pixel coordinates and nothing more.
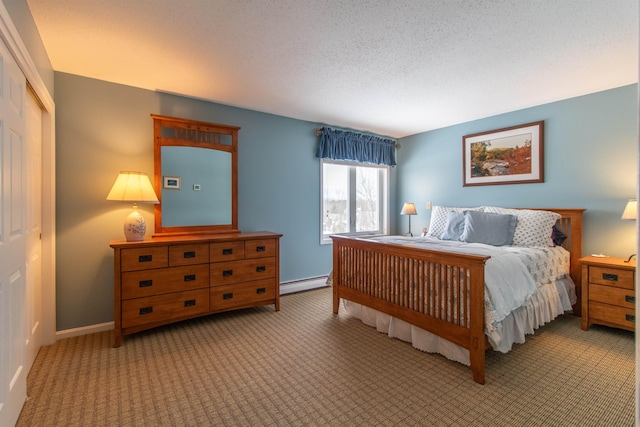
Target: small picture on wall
(512, 155)
(172, 182)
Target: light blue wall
(590, 161)
(103, 128)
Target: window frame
(383, 203)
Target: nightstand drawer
(612, 314)
(611, 277)
(614, 296)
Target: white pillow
(533, 228)
(439, 219)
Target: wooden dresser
(608, 292)
(167, 279)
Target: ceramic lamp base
(135, 227)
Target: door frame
(13, 41)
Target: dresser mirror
(195, 176)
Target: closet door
(13, 239)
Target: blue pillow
(454, 226)
(557, 236)
(488, 228)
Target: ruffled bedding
(513, 308)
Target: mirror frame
(191, 133)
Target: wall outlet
(196, 187)
(428, 206)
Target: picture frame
(171, 182)
(512, 155)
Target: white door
(33, 300)
(14, 225)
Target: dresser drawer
(242, 271)
(241, 294)
(161, 308)
(137, 284)
(614, 296)
(144, 258)
(607, 313)
(263, 248)
(611, 277)
(226, 251)
(188, 254)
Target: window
(354, 199)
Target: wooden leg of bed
(336, 299)
(476, 355)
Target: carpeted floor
(305, 366)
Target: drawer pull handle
(610, 276)
(145, 258)
(190, 303)
(261, 269)
(630, 298)
(261, 290)
(228, 251)
(227, 273)
(190, 254)
(189, 277)
(630, 317)
(146, 283)
(227, 296)
(146, 310)
(260, 248)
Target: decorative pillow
(454, 226)
(557, 236)
(439, 219)
(488, 228)
(533, 228)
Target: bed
(441, 291)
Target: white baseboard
(285, 288)
(84, 330)
(303, 285)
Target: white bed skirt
(549, 302)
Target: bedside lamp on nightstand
(631, 213)
(409, 209)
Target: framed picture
(513, 155)
(171, 182)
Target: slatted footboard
(440, 292)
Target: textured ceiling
(392, 67)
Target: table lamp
(133, 187)
(630, 212)
(409, 209)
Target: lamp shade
(133, 187)
(630, 210)
(408, 209)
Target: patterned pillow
(534, 227)
(439, 219)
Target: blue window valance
(356, 147)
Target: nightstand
(608, 292)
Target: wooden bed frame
(417, 285)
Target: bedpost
(477, 337)
(335, 275)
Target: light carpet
(305, 366)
